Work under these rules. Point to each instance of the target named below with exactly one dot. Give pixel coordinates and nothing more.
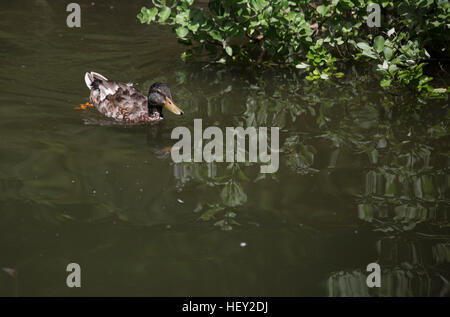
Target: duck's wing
(117, 100)
(127, 103)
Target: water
(363, 174)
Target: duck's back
(117, 100)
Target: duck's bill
(172, 107)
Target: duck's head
(159, 96)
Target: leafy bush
(314, 35)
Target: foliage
(314, 35)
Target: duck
(122, 102)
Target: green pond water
(363, 176)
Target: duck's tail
(91, 77)
(100, 86)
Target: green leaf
(301, 66)
(364, 46)
(370, 54)
(147, 15)
(367, 50)
(193, 27)
(385, 82)
(322, 10)
(425, 80)
(229, 50)
(258, 5)
(387, 51)
(379, 43)
(159, 3)
(152, 14)
(216, 35)
(182, 32)
(164, 14)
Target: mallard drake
(123, 102)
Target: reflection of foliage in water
(408, 268)
(231, 195)
(399, 146)
(395, 135)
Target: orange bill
(170, 105)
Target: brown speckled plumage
(125, 103)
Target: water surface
(363, 173)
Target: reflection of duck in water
(159, 141)
(125, 103)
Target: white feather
(88, 80)
(105, 91)
(90, 76)
(98, 76)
